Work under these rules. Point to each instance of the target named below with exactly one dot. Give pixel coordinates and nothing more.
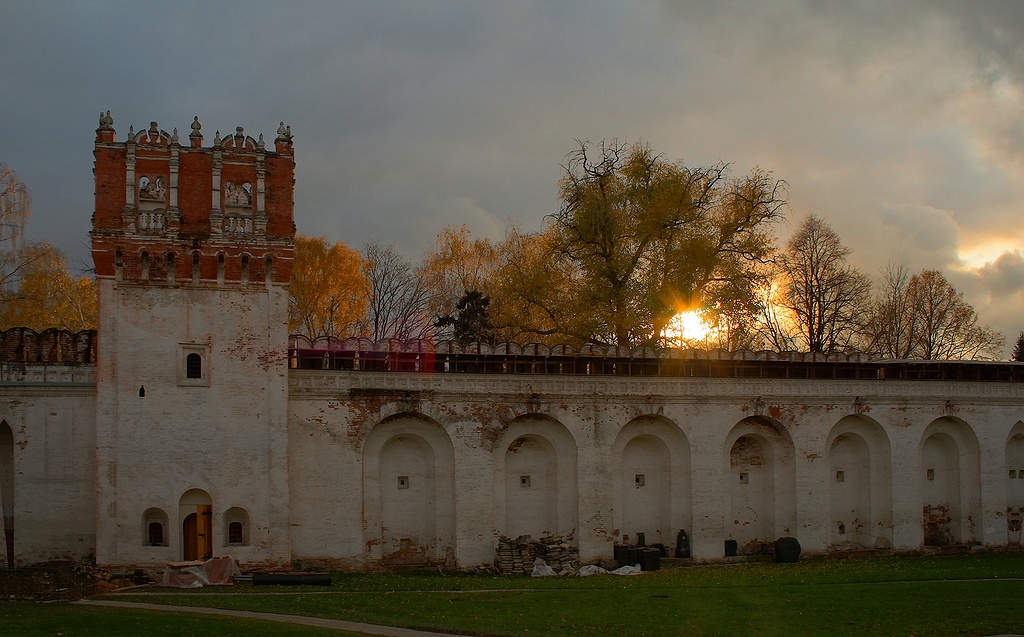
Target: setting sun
(687, 326)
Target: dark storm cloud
(900, 123)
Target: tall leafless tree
(892, 330)
(826, 296)
(15, 208)
(397, 306)
(923, 316)
(947, 324)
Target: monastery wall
(47, 461)
(441, 465)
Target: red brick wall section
(195, 196)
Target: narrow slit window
(840, 476)
(930, 474)
(403, 482)
(144, 265)
(245, 268)
(195, 267)
(170, 267)
(744, 477)
(639, 480)
(524, 481)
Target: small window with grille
(194, 364)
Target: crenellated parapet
(24, 345)
(168, 213)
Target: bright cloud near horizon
(901, 124)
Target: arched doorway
(195, 510)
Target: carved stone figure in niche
(151, 189)
(238, 195)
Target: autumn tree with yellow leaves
(328, 292)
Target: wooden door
(188, 534)
(204, 531)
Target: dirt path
(336, 624)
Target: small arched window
(236, 525)
(154, 527)
(193, 366)
(156, 534)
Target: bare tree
(825, 294)
(15, 208)
(397, 306)
(892, 328)
(923, 316)
(947, 325)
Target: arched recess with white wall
(409, 492)
(860, 485)
(7, 489)
(535, 478)
(950, 483)
(651, 491)
(1015, 484)
(760, 492)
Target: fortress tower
(193, 248)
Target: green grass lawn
(961, 595)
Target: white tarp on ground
(216, 571)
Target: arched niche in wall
(154, 527)
(535, 490)
(7, 488)
(409, 492)
(950, 482)
(236, 527)
(651, 492)
(860, 485)
(1015, 484)
(760, 493)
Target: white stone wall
(53, 431)
(836, 464)
(221, 439)
(365, 470)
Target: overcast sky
(900, 123)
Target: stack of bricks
(516, 556)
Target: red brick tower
(193, 249)
(192, 214)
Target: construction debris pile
(516, 556)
